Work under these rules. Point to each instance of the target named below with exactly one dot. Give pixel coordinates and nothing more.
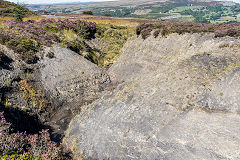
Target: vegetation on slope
(7, 9)
(27, 38)
(27, 147)
(167, 27)
(184, 10)
(113, 37)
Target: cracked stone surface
(71, 77)
(72, 80)
(179, 100)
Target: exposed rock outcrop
(72, 81)
(179, 100)
(12, 101)
(143, 56)
(70, 77)
(53, 89)
(9, 69)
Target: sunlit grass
(117, 22)
(3, 26)
(6, 18)
(114, 40)
(69, 35)
(114, 32)
(35, 18)
(89, 18)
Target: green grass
(12, 155)
(114, 38)
(185, 18)
(200, 12)
(183, 8)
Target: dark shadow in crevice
(22, 121)
(5, 62)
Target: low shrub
(26, 48)
(23, 146)
(9, 9)
(88, 12)
(108, 15)
(168, 27)
(165, 32)
(19, 12)
(156, 33)
(26, 38)
(86, 30)
(142, 27)
(145, 33)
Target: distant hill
(7, 7)
(180, 10)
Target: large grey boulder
(180, 100)
(70, 77)
(70, 81)
(141, 56)
(54, 88)
(9, 70)
(9, 67)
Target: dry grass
(114, 39)
(128, 22)
(69, 35)
(117, 22)
(114, 32)
(6, 18)
(3, 26)
(31, 95)
(36, 18)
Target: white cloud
(52, 1)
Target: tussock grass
(114, 37)
(6, 18)
(35, 18)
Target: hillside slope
(6, 9)
(180, 10)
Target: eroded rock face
(12, 101)
(70, 77)
(180, 101)
(72, 81)
(143, 56)
(8, 69)
(53, 89)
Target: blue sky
(52, 1)
(62, 1)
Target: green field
(180, 10)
